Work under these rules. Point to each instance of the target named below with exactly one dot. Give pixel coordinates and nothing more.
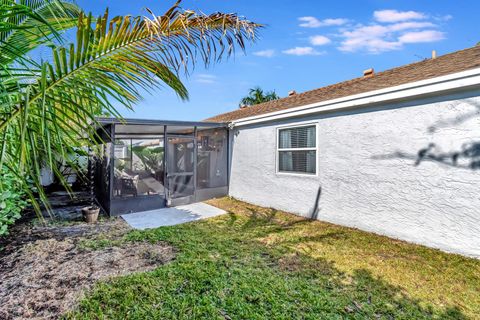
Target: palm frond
(53, 110)
(27, 24)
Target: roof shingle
(443, 65)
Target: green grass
(99, 243)
(257, 263)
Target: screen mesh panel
(180, 155)
(138, 167)
(212, 161)
(180, 166)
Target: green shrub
(12, 200)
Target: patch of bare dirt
(297, 262)
(45, 270)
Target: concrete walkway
(171, 216)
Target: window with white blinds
(297, 149)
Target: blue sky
(306, 45)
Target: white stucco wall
(368, 175)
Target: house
(395, 152)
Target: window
(297, 150)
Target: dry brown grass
(424, 274)
(45, 270)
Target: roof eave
(454, 81)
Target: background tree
(257, 95)
(49, 108)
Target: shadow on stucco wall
(316, 205)
(459, 119)
(466, 156)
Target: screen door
(180, 170)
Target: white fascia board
(453, 81)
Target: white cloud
(319, 40)
(396, 16)
(303, 51)
(422, 36)
(374, 45)
(373, 39)
(309, 22)
(377, 38)
(443, 18)
(410, 25)
(334, 22)
(312, 22)
(387, 30)
(265, 53)
(205, 78)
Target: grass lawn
(258, 263)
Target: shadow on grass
(362, 279)
(395, 302)
(361, 294)
(328, 237)
(257, 218)
(223, 271)
(232, 218)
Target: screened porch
(149, 164)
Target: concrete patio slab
(171, 216)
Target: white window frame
(277, 149)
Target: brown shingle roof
(450, 63)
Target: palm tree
(257, 95)
(49, 108)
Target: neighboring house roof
(443, 65)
